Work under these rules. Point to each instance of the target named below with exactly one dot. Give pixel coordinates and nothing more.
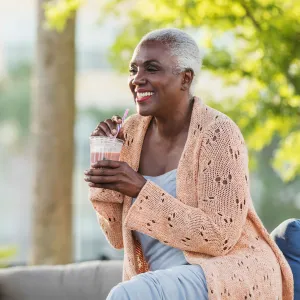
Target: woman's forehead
(151, 51)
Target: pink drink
(104, 148)
(96, 156)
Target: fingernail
(114, 131)
(86, 172)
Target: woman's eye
(151, 69)
(132, 71)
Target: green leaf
(6, 253)
(286, 162)
(57, 13)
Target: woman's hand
(109, 128)
(115, 175)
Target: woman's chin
(144, 111)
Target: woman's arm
(215, 226)
(110, 219)
(105, 195)
(108, 204)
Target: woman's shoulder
(135, 123)
(133, 119)
(221, 132)
(217, 120)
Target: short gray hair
(181, 45)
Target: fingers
(98, 132)
(101, 179)
(109, 127)
(108, 186)
(121, 134)
(101, 172)
(107, 164)
(112, 126)
(117, 119)
(104, 127)
(107, 174)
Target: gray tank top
(160, 256)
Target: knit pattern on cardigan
(212, 219)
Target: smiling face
(155, 85)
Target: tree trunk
(52, 131)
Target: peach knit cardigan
(212, 219)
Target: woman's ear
(187, 78)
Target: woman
(178, 202)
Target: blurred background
(251, 71)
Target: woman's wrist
(140, 186)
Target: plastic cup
(104, 148)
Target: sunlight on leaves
(57, 13)
(286, 162)
(6, 253)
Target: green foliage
(57, 13)
(5, 254)
(277, 198)
(288, 166)
(252, 41)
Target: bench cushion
(287, 237)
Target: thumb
(121, 134)
(117, 119)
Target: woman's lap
(185, 282)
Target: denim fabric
(185, 282)
(287, 237)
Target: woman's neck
(174, 121)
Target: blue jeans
(287, 237)
(186, 282)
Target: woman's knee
(135, 289)
(117, 293)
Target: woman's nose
(138, 79)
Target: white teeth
(141, 95)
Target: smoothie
(96, 156)
(104, 148)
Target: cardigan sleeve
(108, 205)
(215, 226)
(110, 196)
(110, 219)
(104, 195)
